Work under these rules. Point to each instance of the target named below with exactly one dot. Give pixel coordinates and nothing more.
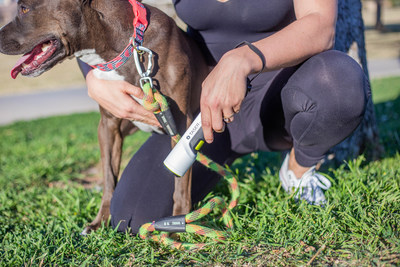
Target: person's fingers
(228, 115)
(133, 90)
(206, 124)
(139, 113)
(89, 81)
(118, 98)
(217, 120)
(236, 109)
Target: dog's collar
(140, 25)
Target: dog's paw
(86, 231)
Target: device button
(199, 145)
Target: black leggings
(310, 107)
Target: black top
(219, 27)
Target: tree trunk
(379, 24)
(350, 39)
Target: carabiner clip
(140, 50)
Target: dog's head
(45, 32)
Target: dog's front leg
(110, 140)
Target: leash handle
(172, 224)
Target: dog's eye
(24, 10)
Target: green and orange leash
(160, 231)
(185, 223)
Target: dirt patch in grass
(92, 178)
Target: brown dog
(96, 31)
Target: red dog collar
(140, 25)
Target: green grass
(386, 90)
(44, 206)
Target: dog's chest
(91, 58)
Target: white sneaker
(309, 187)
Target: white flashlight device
(181, 158)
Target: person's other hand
(115, 96)
(224, 90)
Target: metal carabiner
(145, 80)
(136, 54)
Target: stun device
(181, 158)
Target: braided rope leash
(156, 102)
(185, 223)
(153, 100)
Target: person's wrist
(241, 58)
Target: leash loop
(153, 100)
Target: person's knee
(325, 99)
(349, 84)
(339, 83)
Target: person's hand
(115, 96)
(224, 90)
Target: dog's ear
(86, 2)
(97, 5)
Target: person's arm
(224, 89)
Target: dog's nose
(2, 39)
(8, 43)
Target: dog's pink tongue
(18, 66)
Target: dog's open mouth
(33, 61)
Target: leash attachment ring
(146, 80)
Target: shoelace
(316, 179)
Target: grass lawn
(44, 204)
